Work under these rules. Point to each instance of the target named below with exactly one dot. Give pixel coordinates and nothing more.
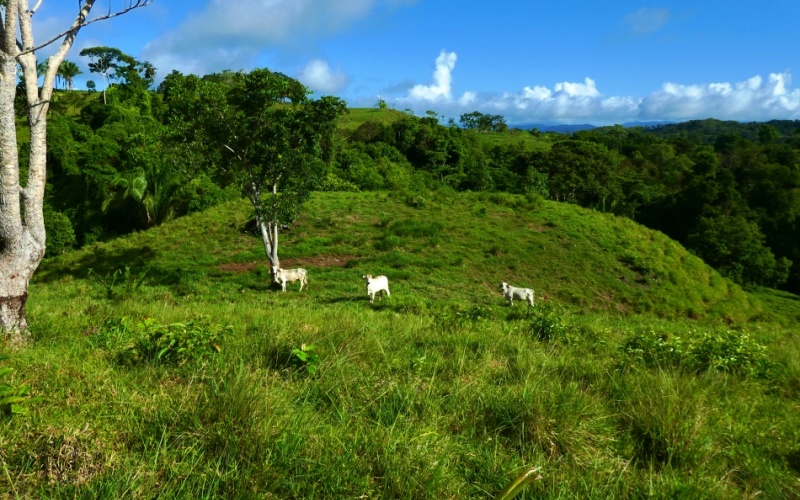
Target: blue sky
(564, 62)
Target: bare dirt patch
(315, 261)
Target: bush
(723, 350)
(60, 234)
(150, 341)
(333, 182)
(12, 396)
(305, 358)
(454, 318)
(654, 349)
(201, 193)
(728, 351)
(119, 284)
(546, 322)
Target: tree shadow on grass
(102, 262)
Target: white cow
(512, 292)
(283, 276)
(375, 285)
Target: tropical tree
(735, 247)
(68, 70)
(149, 191)
(271, 139)
(104, 62)
(22, 227)
(583, 172)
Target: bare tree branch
(80, 23)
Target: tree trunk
(22, 232)
(269, 232)
(16, 269)
(268, 228)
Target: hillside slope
(165, 364)
(441, 247)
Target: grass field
(165, 364)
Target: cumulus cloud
(231, 35)
(442, 78)
(753, 99)
(585, 89)
(319, 76)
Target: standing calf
(283, 276)
(512, 292)
(376, 285)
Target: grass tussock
(639, 372)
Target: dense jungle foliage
(133, 157)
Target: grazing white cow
(283, 276)
(512, 292)
(375, 285)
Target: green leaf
(519, 484)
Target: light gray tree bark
(22, 233)
(268, 228)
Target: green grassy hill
(355, 117)
(439, 248)
(167, 365)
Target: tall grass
(441, 390)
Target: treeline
(729, 192)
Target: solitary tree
(105, 61)
(22, 231)
(271, 139)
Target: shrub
(60, 235)
(729, 352)
(415, 199)
(654, 349)
(723, 350)
(333, 182)
(546, 322)
(201, 193)
(389, 242)
(150, 341)
(12, 396)
(306, 358)
(119, 283)
(454, 318)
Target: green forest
(132, 157)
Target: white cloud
(586, 89)
(468, 98)
(319, 76)
(442, 79)
(231, 35)
(752, 99)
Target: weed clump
(151, 341)
(722, 350)
(12, 396)
(546, 322)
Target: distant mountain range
(565, 129)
